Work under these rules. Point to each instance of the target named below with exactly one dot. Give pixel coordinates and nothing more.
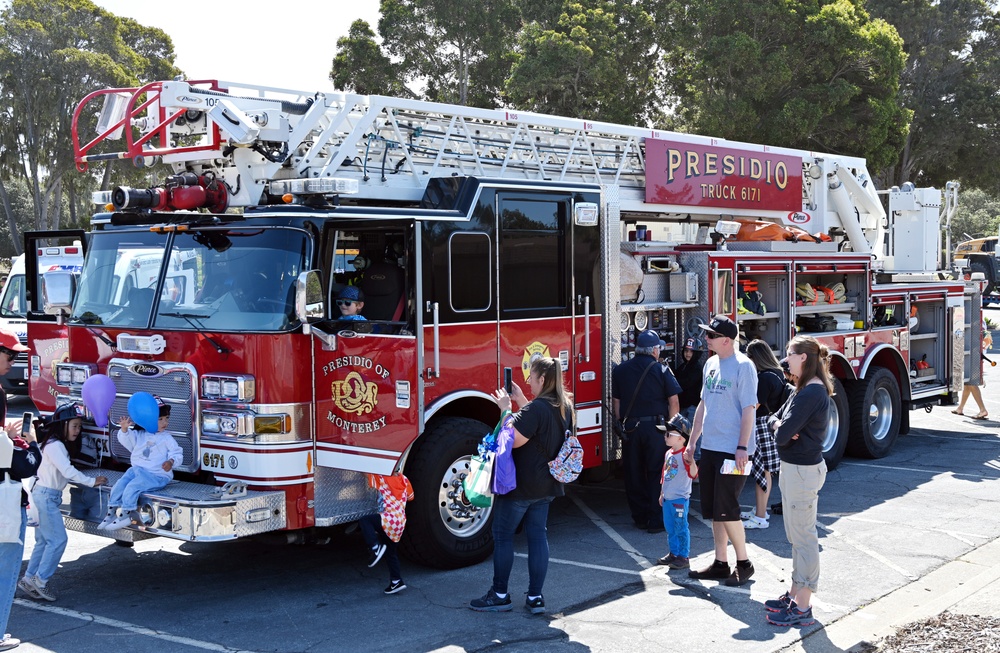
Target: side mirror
(58, 289)
(309, 303)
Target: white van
(13, 306)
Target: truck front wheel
(443, 529)
(875, 415)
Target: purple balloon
(98, 396)
(144, 411)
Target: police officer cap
(649, 339)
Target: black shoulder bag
(620, 428)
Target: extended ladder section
(260, 139)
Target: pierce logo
(145, 369)
(798, 217)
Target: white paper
(729, 467)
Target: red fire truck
(484, 238)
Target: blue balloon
(144, 411)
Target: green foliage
(52, 54)
(978, 215)
(23, 216)
(950, 82)
(360, 66)
(815, 75)
(461, 54)
(597, 59)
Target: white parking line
(958, 535)
(616, 570)
(869, 552)
(934, 472)
(123, 625)
(610, 532)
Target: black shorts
(720, 493)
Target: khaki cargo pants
(800, 486)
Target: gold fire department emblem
(354, 394)
(532, 352)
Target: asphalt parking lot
(884, 524)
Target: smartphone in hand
(26, 423)
(508, 382)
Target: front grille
(175, 385)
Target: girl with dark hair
(771, 393)
(543, 422)
(60, 441)
(688, 375)
(800, 427)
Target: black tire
(875, 415)
(979, 266)
(125, 544)
(838, 427)
(442, 529)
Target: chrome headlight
(228, 387)
(73, 373)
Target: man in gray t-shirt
(725, 416)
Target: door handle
(585, 356)
(435, 311)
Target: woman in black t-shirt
(772, 390)
(541, 425)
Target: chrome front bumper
(193, 512)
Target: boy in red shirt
(382, 531)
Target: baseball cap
(649, 339)
(352, 293)
(163, 406)
(9, 340)
(723, 326)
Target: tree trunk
(15, 234)
(56, 217)
(71, 192)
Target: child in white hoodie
(61, 439)
(154, 455)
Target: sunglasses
(713, 336)
(345, 302)
(11, 355)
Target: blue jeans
(10, 566)
(507, 514)
(50, 534)
(675, 520)
(371, 530)
(125, 493)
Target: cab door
(535, 283)
(48, 335)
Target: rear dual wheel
(876, 412)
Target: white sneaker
(9, 642)
(119, 522)
(747, 514)
(755, 522)
(110, 517)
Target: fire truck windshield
(230, 279)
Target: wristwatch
(741, 448)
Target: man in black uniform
(643, 449)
